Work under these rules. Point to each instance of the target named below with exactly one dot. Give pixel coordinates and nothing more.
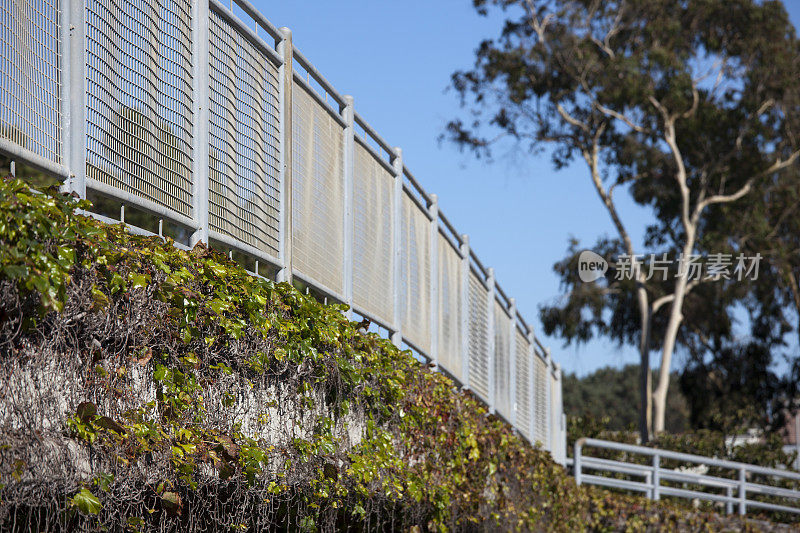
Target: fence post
(512, 361)
(202, 118)
(285, 74)
(490, 356)
(742, 491)
(559, 418)
(464, 249)
(348, 114)
(74, 99)
(576, 465)
(797, 440)
(531, 383)
(729, 502)
(654, 495)
(547, 402)
(398, 263)
(433, 209)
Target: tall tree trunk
(645, 385)
(645, 310)
(671, 333)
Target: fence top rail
(312, 71)
(522, 322)
(539, 353)
(415, 184)
(447, 224)
(679, 456)
(372, 151)
(246, 31)
(445, 234)
(540, 345)
(502, 297)
(260, 19)
(369, 130)
(478, 263)
(320, 99)
(419, 202)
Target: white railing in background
(205, 117)
(650, 479)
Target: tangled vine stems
(147, 388)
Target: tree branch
(744, 189)
(657, 303)
(619, 116)
(571, 120)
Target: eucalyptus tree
(686, 106)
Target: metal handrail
(655, 473)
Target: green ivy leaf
(160, 373)
(66, 256)
(137, 281)
(99, 299)
(16, 271)
(86, 502)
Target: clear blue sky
(396, 58)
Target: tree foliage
(691, 108)
(610, 394)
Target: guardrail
(201, 120)
(738, 490)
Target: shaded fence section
(201, 120)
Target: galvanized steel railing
(740, 490)
(204, 116)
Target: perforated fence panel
(540, 403)
(450, 295)
(317, 191)
(478, 336)
(139, 83)
(244, 185)
(416, 274)
(372, 236)
(502, 359)
(30, 62)
(522, 377)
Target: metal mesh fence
(522, 376)
(554, 412)
(540, 400)
(450, 295)
(317, 191)
(416, 276)
(139, 140)
(478, 336)
(502, 368)
(372, 236)
(30, 87)
(244, 184)
(139, 114)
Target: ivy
(425, 447)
